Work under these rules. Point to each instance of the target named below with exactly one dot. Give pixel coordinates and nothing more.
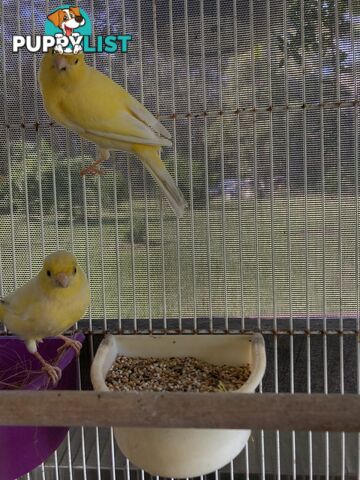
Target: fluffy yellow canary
(48, 304)
(84, 100)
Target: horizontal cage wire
(261, 100)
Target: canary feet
(102, 155)
(70, 343)
(53, 372)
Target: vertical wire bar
(43, 471)
(101, 235)
(222, 160)
(21, 111)
(287, 142)
(117, 238)
(51, 132)
(115, 192)
(117, 248)
(238, 149)
(187, 63)
(308, 326)
(253, 85)
(42, 232)
(247, 468)
(206, 160)
(56, 465)
(253, 97)
(338, 153)
(102, 248)
(97, 444)
(232, 477)
(87, 247)
(148, 267)
(161, 202)
(70, 470)
(173, 104)
(26, 195)
(131, 212)
(8, 152)
(53, 171)
(54, 185)
(97, 439)
(356, 153)
(127, 468)
(100, 205)
(98, 465)
(322, 155)
(83, 453)
(287, 134)
(273, 282)
(36, 114)
(131, 207)
(112, 451)
(71, 218)
(117, 241)
(12, 226)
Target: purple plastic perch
(24, 448)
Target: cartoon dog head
(67, 19)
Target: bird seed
(174, 374)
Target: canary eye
(76, 61)
(48, 273)
(75, 270)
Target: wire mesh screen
(261, 99)
(265, 148)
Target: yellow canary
(48, 304)
(85, 101)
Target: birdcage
(261, 100)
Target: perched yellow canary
(48, 304)
(84, 100)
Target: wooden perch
(182, 410)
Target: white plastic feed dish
(180, 453)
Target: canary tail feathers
(156, 167)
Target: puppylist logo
(68, 30)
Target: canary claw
(53, 372)
(70, 343)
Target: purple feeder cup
(24, 448)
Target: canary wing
(21, 301)
(98, 106)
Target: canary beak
(62, 280)
(60, 62)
